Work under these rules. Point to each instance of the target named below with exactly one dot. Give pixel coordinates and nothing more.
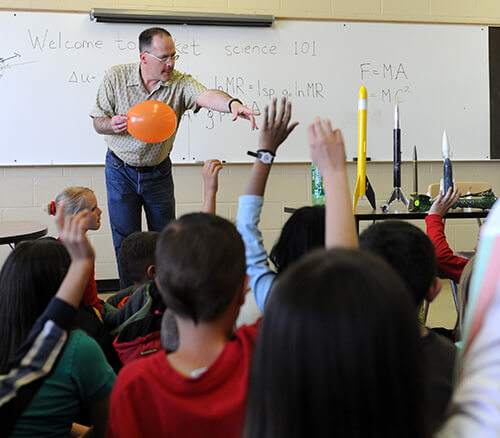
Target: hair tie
(52, 208)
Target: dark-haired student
(411, 254)
(138, 321)
(305, 229)
(200, 389)
(448, 264)
(40, 354)
(337, 353)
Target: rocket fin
(370, 194)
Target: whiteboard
(52, 63)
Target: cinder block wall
(25, 190)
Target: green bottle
(318, 191)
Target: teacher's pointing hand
(239, 110)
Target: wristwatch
(263, 155)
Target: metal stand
(397, 195)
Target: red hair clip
(52, 208)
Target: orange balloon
(151, 121)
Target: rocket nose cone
(362, 92)
(445, 145)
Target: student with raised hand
(306, 229)
(30, 276)
(275, 129)
(448, 263)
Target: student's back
(200, 390)
(411, 254)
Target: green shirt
(122, 88)
(82, 376)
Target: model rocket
(397, 194)
(363, 187)
(447, 180)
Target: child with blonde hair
(76, 199)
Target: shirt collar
(134, 77)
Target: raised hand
(210, 171)
(326, 146)
(276, 127)
(442, 204)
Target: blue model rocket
(447, 180)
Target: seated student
(411, 254)
(304, 231)
(337, 353)
(138, 321)
(448, 264)
(29, 278)
(200, 389)
(76, 199)
(137, 254)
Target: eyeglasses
(164, 60)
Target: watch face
(266, 157)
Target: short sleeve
(192, 89)
(105, 102)
(91, 372)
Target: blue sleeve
(247, 221)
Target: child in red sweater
(75, 200)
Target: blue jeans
(129, 189)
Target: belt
(136, 168)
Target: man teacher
(139, 174)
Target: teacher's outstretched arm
(219, 101)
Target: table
(377, 215)
(13, 232)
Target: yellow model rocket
(363, 187)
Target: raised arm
(275, 130)
(447, 262)
(210, 171)
(328, 153)
(222, 102)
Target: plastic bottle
(318, 191)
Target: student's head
(29, 278)
(137, 255)
(302, 232)
(76, 199)
(337, 353)
(410, 253)
(200, 267)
